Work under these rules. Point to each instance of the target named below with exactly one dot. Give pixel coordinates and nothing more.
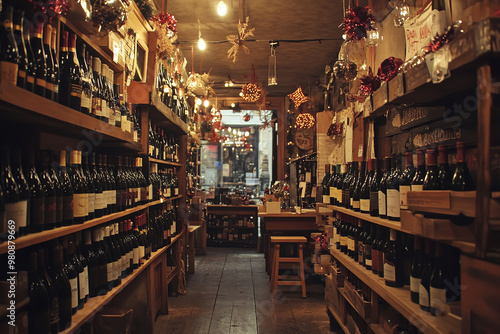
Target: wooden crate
(416, 77)
(443, 202)
(380, 96)
(337, 276)
(357, 301)
(396, 87)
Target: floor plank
(229, 294)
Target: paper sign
(303, 185)
(308, 177)
(225, 170)
(116, 51)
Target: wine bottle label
(55, 88)
(80, 203)
(373, 200)
(37, 211)
(350, 244)
(81, 284)
(150, 192)
(86, 282)
(99, 201)
(368, 262)
(361, 252)
(41, 83)
(437, 298)
(86, 99)
(50, 210)
(414, 284)
(423, 296)
(169, 193)
(417, 187)
(381, 203)
(91, 198)
(355, 204)
(76, 90)
(49, 86)
(393, 203)
(136, 255)
(343, 241)
(18, 212)
(9, 71)
(403, 194)
(141, 252)
(74, 292)
(136, 136)
(364, 205)
(54, 311)
(112, 196)
(109, 271)
(96, 106)
(30, 79)
(104, 109)
(375, 264)
(389, 272)
(339, 196)
(176, 192)
(326, 199)
(21, 74)
(336, 236)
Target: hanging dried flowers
(109, 16)
(250, 92)
(298, 97)
(238, 40)
(166, 21)
(51, 8)
(146, 8)
(357, 21)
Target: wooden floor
(229, 293)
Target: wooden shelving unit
(95, 304)
(37, 238)
(234, 213)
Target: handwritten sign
(420, 29)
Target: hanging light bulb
(198, 102)
(272, 79)
(206, 103)
(222, 8)
(201, 44)
(374, 36)
(403, 13)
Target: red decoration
(51, 8)
(439, 40)
(369, 83)
(357, 22)
(166, 20)
(246, 118)
(389, 68)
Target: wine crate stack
(414, 233)
(93, 173)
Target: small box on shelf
(396, 87)
(380, 96)
(443, 202)
(357, 301)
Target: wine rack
(229, 225)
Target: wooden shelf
(161, 113)
(231, 227)
(95, 304)
(163, 162)
(25, 107)
(171, 275)
(337, 318)
(378, 329)
(366, 217)
(36, 238)
(399, 298)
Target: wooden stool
(276, 278)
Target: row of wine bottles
(169, 91)
(53, 194)
(230, 221)
(28, 59)
(61, 281)
(432, 272)
(162, 145)
(383, 193)
(230, 235)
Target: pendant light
(272, 79)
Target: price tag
(360, 150)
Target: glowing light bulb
(231, 84)
(198, 102)
(201, 44)
(233, 105)
(222, 8)
(247, 133)
(206, 103)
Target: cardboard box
(273, 207)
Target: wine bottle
(424, 288)
(71, 258)
(9, 55)
(72, 274)
(418, 180)
(104, 94)
(393, 195)
(444, 173)
(357, 188)
(15, 208)
(83, 277)
(89, 177)
(64, 63)
(40, 303)
(96, 88)
(431, 180)
(381, 246)
(39, 54)
(49, 189)
(368, 247)
(31, 68)
(405, 181)
(67, 190)
(75, 80)
(43, 259)
(114, 254)
(364, 197)
(86, 75)
(382, 189)
(56, 69)
(437, 293)
(374, 186)
(416, 269)
(363, 234)
(462, 180)
(58, 190)
(49, 63)
(37, 198)
(63, 287)
(93, 264)
(21, 48)
(24, 194)
(80, 199)
(325, 185)
(110, 265)
(393, 262)
(99, 203)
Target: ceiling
(297, 63)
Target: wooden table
(191, 247)
(285, 223)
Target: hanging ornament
(369, 83)
(439, 40)
(238, 41)
(345, 70)
(247, 116)
(166, 21)
(304, 121)
(357, 21)
(51, 8)
(298, 97)
(389, 68)
(146, 8)
(199, 85)
(374, 36)
(250, 92)
(403, 13)
(109, 16)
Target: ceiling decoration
(238, 41)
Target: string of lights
(319, 40)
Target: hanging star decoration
(298, 97)
(250, 92)
(238, 41)
(265, 117)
